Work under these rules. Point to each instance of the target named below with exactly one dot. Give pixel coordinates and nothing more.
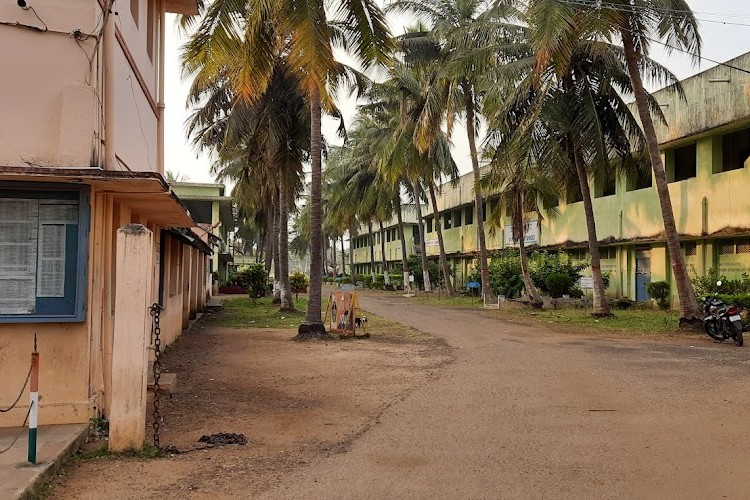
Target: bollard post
(33, 404)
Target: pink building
(81, 156)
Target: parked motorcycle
(722, 321)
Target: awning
(146, 193)
(191, 238)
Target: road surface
(530, 413)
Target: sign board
(473, 284)
(531, 236)
(347, 287)
(587, 283)
(343, 314)
(411, 278)
(431, 243)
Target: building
(705, 147)
(366, 244)
(215, 216)
(92, 233)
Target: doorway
(642, 274)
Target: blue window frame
(43, 253)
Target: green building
(705, 147)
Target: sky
(724, 24)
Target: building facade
(705, 147)
(368, 243)
(88, 220)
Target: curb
(51, 468)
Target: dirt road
(491, 409)
(525, 413)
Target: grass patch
(634, 322)
(378, 326)
(242, 313)
(148, 452)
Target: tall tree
(242, 39)
(639, 23)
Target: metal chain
(23, 426)
(25, 383)
(155, 311)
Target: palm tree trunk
(324, 252)
(312, 325)
(439, 228)
(481, 239)
(601, 306)
(689, 309)
(386, 278)
(334, 258)
(352, 236)
(404, 263)
(531, 290)
(287, 304)
(276, 269)
(422, 245)
(371, 241)
(268, 242)
(343, 256)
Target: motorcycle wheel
(738, 338)
(713, 331)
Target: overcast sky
(720, 42)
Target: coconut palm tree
(458, 35)
(238, 42)
(527, 188)
(639, 24)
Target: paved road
(528, 413)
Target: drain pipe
(160, 99)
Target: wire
(672, 47)
(634, 9)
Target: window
(469, 215)
(484, 211)
(731, 247)
(684, 163)
(690, 249)
(641, 180)
(726, 248)
(447, 220)
(608, 253)
(577, 253)
(43, 255)
(573, 191)
(735, 149)
(429, 224)
(457, 218)
(605, 185)
(135, 10)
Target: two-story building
(366, 245)
(706, 149)
(87, 220)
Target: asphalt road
(530, 413)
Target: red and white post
(33, 404)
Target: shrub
(558, 284)
(505, 276)
(660, 291)
(299, 283)
(254, 279)
(741, 300)
(545, 264)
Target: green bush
(660, 291)
(298, 282)
(414, 263)
(558, 284)
(254, 279)
(741, 300)
(505, 276)
(706, 285)
(546, 264)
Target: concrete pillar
(186, 268)
(127, 414)
(194, 283)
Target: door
(642, 274)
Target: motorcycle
(722, 321)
